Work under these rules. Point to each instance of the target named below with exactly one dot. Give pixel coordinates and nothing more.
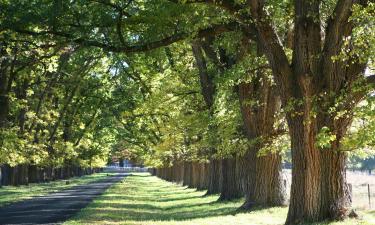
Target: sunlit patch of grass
(11, 194)
(141, 199)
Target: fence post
(369, 195)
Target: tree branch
(273, 49)
(142, 47)
(207, 86)
(259, 23)
(338, 26)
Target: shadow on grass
(144, 198)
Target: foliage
(92, 80)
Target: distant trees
(51, 99)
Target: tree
(319, 74)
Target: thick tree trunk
(121, 162)
(14, 176)
(240, 175)
(202, 177)
(187, 174)
(5, 172)
(4, 110)
(269, 187)
(214, 183)
(24, 174)
(207, 175)
(305, 195)
(195, 175)
(180, 173)
(248, 178)
(5, 85)
(319, 189)
(262, 181)
(170, 173)
(335, 191)
(230, 187)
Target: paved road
(58, 206)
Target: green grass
(141, 199)
(11, 194)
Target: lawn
(141, 199)
(10, 194)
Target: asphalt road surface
(56, 207)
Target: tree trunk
(24, 174)
(248, 177)
(202, 176)
(230, 187)
(269, 188)
(207, 175)
(214, 184)
(121, 162)
(187, 174)
(180, 173)
(33, 170)
(14, 173)
(319, 189)
(305, 195)
(335, 190)
(4, 110)
(195, 175)
(5, 85)
(262, 182)
(5, 172)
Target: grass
(141, 199)
(11, 194)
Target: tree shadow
(148, 199)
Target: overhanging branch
(142, 47)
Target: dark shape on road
(56, 207)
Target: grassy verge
(10, 194)
(141, 199)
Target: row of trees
(52, 124)
(215, 90)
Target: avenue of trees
(213, 94)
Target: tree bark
(334, 185)
(196, 175)
(269, 187)
(180, 175)
(187, 174)
(202, 176)
(248, 178)
(262, 183)
(214, 177)
(5, 83)
(230, 186)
